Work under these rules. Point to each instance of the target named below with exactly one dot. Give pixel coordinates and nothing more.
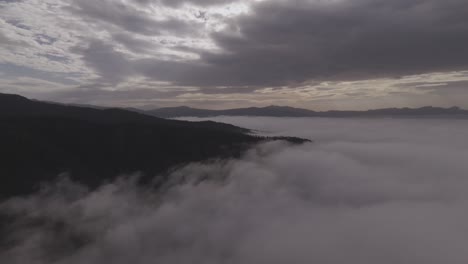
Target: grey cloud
(235, 90)
(356, 94)
(6, 41)
(437, 87)
(176, 3)
(17, 23)
(58, 58)
(43, 39)
(124, 16)
(96, 94)
(196, 73)
(324, 88)
(281, 43)
(441, 88)
(285, 43)
(420, 85)
(11, 1)
(134, 44)
(14, 71)
(375, 192)
(113, 67)
(177, 72)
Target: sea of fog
(365, 191)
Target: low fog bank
(365, 192)
(413, 130)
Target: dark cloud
(113, 67)
(278, 43)
(285, 43)
(290, 41)
(44, 39)
(118, 13)
(135, 44)
(57, 58)
(233, 90)
(18, 23)
(176, 3)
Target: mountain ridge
(40, 140)
(287, 111)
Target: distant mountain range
(285, 111)
(40, 140)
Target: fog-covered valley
(365, 191)
(233, 132)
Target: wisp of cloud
(365, 191)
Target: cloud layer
(280, 42)
(366, 191)
(267, 51)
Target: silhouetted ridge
(40, 140)
(286, 111)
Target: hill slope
(40, 140)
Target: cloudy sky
(318, 54)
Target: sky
(217, 54)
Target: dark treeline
(41, 140)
